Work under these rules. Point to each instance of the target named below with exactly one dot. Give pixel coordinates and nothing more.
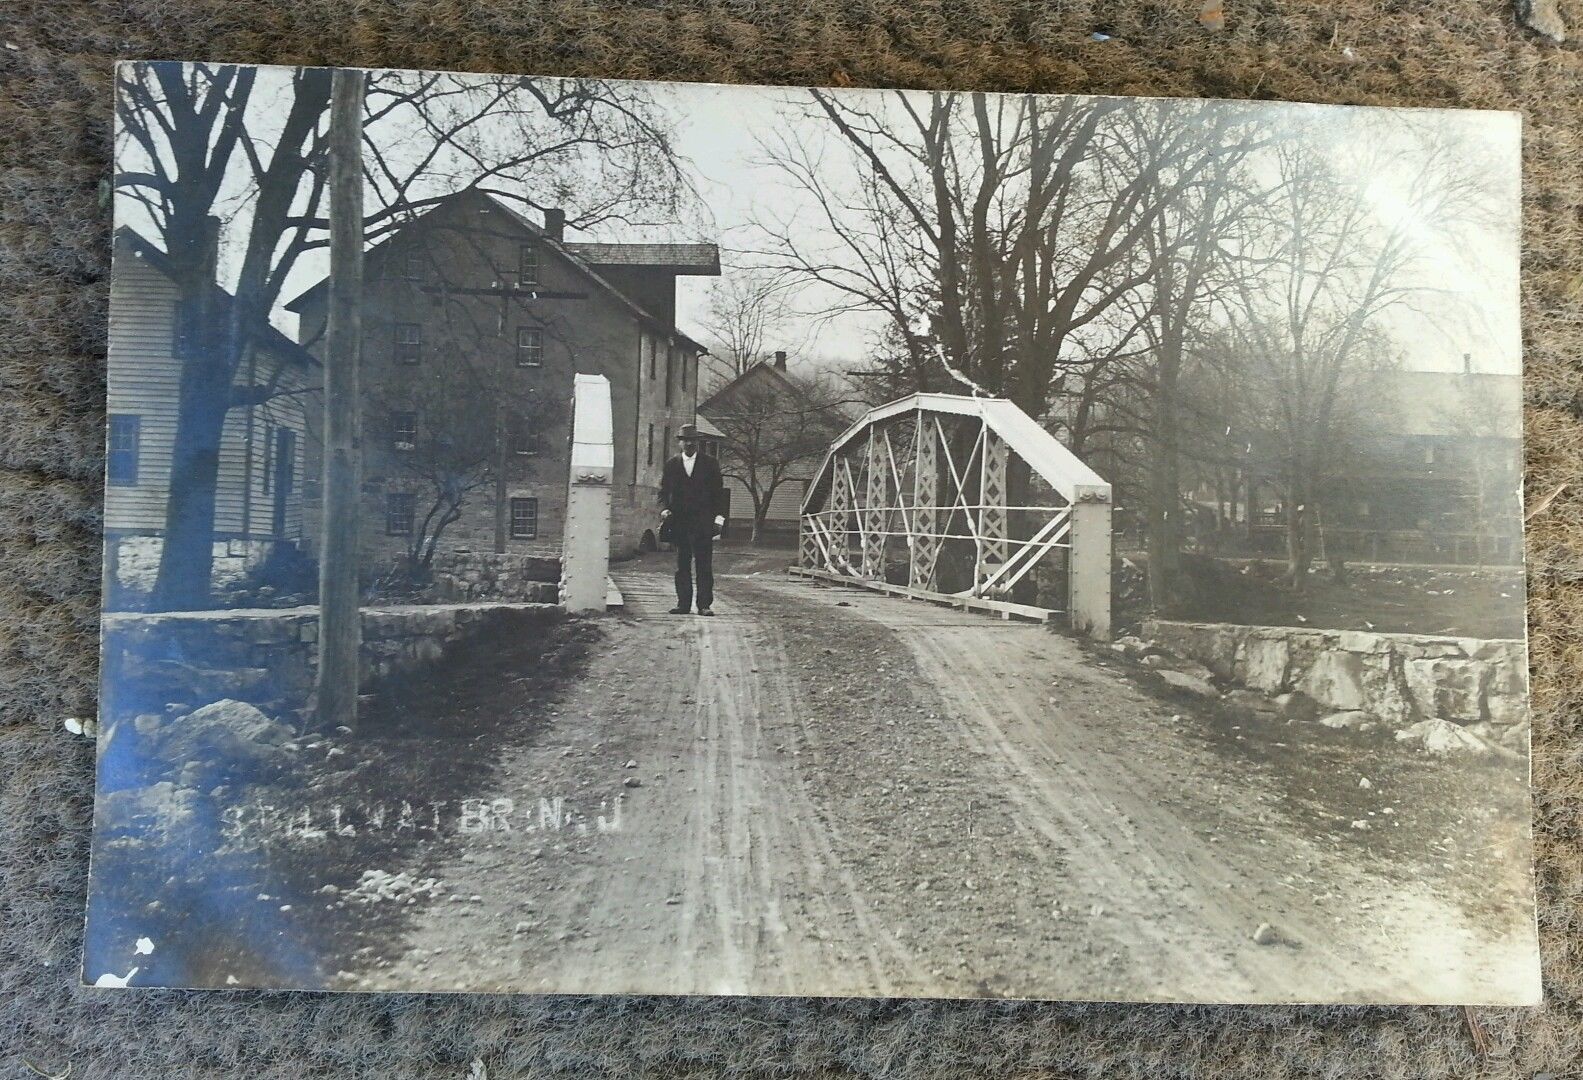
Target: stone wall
(1400, 678)
(468, 576)
(269, 658)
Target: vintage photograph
(581, 536)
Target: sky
(1469, 303)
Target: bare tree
(205, 142)
(776, 428)
(745, 313)
(1306, 328)
(990, 229)
(431, 444)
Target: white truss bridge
(920, 489)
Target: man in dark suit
(693, 502)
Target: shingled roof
(699, 259)
(701, 256)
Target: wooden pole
(340, 618)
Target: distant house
(774, 428)
(1438, 480)
(475, 321)
(258, 492)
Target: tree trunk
(1163, 517)
(187, 555)
(1298, 551)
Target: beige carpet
(54, 262)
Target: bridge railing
(933, 474)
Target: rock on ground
(1442, 737)
(1181, 680)
(1350, 720)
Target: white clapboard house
(258, 496)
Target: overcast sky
(1472, 308)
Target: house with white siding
(258, 496)
(771, 429)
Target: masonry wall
(269, 658)
(1400, 678)
(454, 274)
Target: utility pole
(502, 455)
(340, 616)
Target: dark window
(651, 444)
(530, 346)
(524, 440)
(528, 264)
(409, 342)
(403, 431)
(670, 363)
(524, 519)
(399, 512)
(125, 435)
(652, 349)
(269, 456)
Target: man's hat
(689, 431)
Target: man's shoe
(706, 611)
(681, 611)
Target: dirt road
(825, 791)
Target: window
(125, 435)
(269, 456)
(524, 519)
(524, 440)
(530, 346)
(652, 347)
(670, 362)
(403, 431)
(651, 444)
(409, 343)
(399, 512)
(528, 264)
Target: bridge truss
(915, 499)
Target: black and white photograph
(581, 536)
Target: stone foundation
(470, 576)
(269, 658)
(1400, 678)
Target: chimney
(1467, 363)
(780, 359)
(554, 223)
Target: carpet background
(54, 265)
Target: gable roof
(140, 247)
(694, 259)
(566, 252)
(759, 372)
